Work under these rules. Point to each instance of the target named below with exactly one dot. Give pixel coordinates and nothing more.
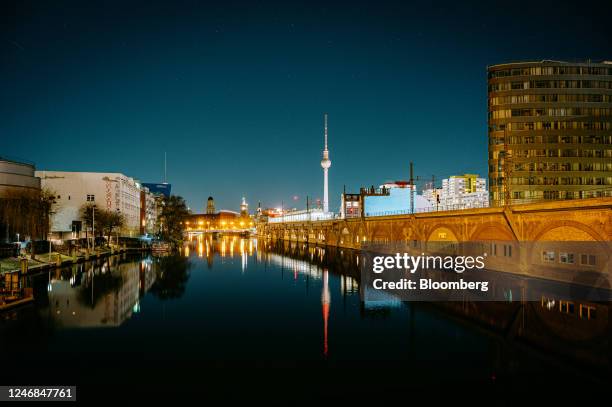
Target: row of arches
(354, 233)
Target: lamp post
(93, 226)
(52, 202)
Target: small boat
(8, 303)
(14, 298)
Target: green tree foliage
(172, 219)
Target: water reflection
(578, 330)
(172, 274)
(209, 246)
(294, 301)
(97, 294)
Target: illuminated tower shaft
(325, 163)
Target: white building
(108, 190)
(459, 192)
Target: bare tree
(27, 212)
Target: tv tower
(325, 163)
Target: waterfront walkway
(48, 260)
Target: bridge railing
(315, 216)
(439, 208)
(304, 217)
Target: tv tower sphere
(325, 163)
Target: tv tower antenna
(325, 164)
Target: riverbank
(46, 261)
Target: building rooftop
(587, 62)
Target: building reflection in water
(579, 330)
(209, 245)
(97, 294)
(106, 293)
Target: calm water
(232, 302)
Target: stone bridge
(567, 241)
(571, 220)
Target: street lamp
(93, 226)
(52, 202)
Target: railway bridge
(571, 220)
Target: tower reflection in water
(325, 302)
(218, 248)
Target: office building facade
(550, 131)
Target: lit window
(548, 256)
(566, 258)
(566, 307)
(587, 311)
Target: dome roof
(210, 198)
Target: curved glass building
(550, 131)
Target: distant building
(550, 131)
(350, 205)
(244, 208)
(459, 192)
(108, 190)
(162, 188)
(433, 195)
(222, 220)
(210, 206)
(150, 204)
(17, 180)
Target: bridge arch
(443, 233)
(378, 233)
(491, 231)
(566, 230)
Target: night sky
(236, 92)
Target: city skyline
(236, 98)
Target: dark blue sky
(235, 92)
